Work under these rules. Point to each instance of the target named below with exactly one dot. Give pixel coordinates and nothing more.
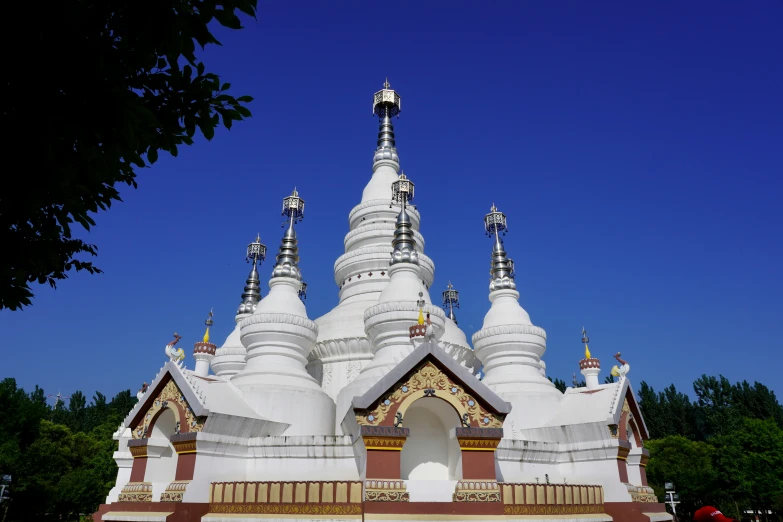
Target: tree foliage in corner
(115, 83)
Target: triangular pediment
(429, 372)
(628, 404)
(169, 389)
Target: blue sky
(636, 149)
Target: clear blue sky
(636, 149)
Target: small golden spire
(208, 322)
(586, 340)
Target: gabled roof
(603, 404)
(170, 370)
(205, 396)
(436, 354)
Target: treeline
(56, 462)
(723, 449)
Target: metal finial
(502, 267)
(404, 243)
(402, 190)
(256, 252)
(585, 339)
(386, 104)
(293, 207)
(287, 260)
(303, 291)
(451, 301)
(209, 321)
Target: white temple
(377, 410)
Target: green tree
(749, 462)
(559, 384)
(689, 465)
(715, 414)
(121, 83)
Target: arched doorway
(429, 453)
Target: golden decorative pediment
(427, 380)
(169, 397)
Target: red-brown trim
(478, 465)
(632, 511)
(138, 469)
(383, 464)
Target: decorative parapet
(476, 491)
(136, 492)
(418, 330)
(138, 447)
(184, 442)
(551, 499)
(207, 348)
(584, 364)
(478, 439)
(642, 494)
(286, 498)
(386, 491)
(174, 491)
(384, 437)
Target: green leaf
(152, 155)
(225, 87)
(245, 99)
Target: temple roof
(205, 396)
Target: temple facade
(380, 409)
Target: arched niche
(429, 453)
(162, 458)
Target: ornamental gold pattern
(430, 379)
(478, 444)
(384, 443)
(287, 509)
(376, 490)
(136, 492)
(169, 394)
(539, 509)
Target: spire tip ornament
(209, 323)
(502, 267)
(586, 340)
(386, 104)
(287, 260)
(451, 301)
(403, 242)
(256, 253)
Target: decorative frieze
(476, 491)
(284, 497)
(551, 499)
(386, 491)
(175, 491)
(136, 492)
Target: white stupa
(377, 410)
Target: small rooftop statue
(175, 355)
(622, 370)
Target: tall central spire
(386, 105)
(502, 267)
(287, 261)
